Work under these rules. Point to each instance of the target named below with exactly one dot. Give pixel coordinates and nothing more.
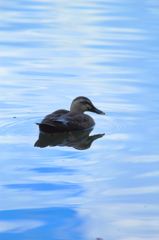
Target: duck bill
(96, 110)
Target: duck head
(82, 104)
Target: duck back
(65, 121)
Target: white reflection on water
(149, 174)
(117, 136)
(136, 226)
(19, 226)
(129, 191)
(143, 159)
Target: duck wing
(51, 118)
(64, 121)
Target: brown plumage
(73, 120)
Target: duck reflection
(79, 140)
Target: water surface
(52, 52)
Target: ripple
(19, 126)
(114, 125)
(25, 127)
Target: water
(52, 52)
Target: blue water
(52, 52)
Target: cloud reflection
(132, 191)
(149, 174)
(143, 158)
(18, 226)
(128, 221)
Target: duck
(74, 120)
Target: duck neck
(76, 109)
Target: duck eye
(84, 102)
